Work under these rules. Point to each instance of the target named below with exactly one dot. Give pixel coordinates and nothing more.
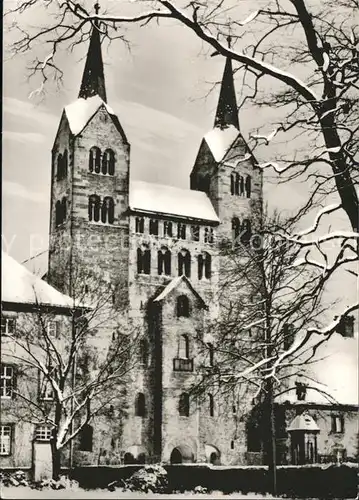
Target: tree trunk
(56, 460)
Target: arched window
(246, 232)
(211, 405)
(59, 167)
(140, 405)
(241, 185)
(63, 210)
(144, 352)
(233, 183)
(183, 407)
(164, 261)
(204, 265)
(94, 208)
(183, 347)
(167, 228)
(65, 162)
(108, 162)
(108, 210)
(211, 353)
(140, 224)
(154, 227)
(95, 160)
(236, 229)
(248, 186)
(144, 260)
(184, 263)
(182, 306)
(86, 438)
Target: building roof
(93, 78)
(20, 286)
(227, 111)
(173, 284)
(169, 200)
(220, 141)
(333, 377)
(303, 422)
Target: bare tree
(270, 306)
(72, 366)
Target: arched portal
(128, 459)
(213, 454)
(182, 455)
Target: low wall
(317, 481)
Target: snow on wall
(22, 287)
(220, 140)
(149, 197)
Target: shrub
(149, 479)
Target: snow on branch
(324, 211)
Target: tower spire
(93, 79)
(227, 112)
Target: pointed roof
(93, 79)
(172, 285)
(227, 112)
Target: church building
(159, 246)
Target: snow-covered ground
(23, 492)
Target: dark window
(288, 336)
(195, 233)
(5, 440)
(246, 232)
(183, 406)
(154, 227)
(301, 391)
(211, 405)
(7, 381)
(59, 167)
(236, 229)
(181, 231)
(8, 326)
(95, 160)
(183, 347)
(94, 208)
(337, 424)
(208, 235)
(182, 306)
(184, 263)
(144, 352)
(164, 261)
(108, 210)
(167, 228)
(86, 438)
(140, 225)
(65, 163)
(211, 353)
(144, 260)
(108, 162)
(232, 445)
(233, 183)
(248, 186)
(346, 326)
(140, 405)
(204, 266)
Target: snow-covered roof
(333, 377)
(220, 140)
(303, 422)
(169, 200)
(18, 285)
(173, 284)
(81, 111)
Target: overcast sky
(158, 90)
